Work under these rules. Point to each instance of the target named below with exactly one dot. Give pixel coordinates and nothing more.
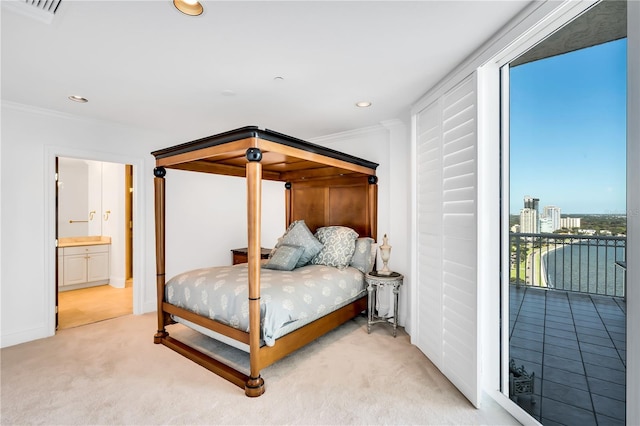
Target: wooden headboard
(348, 202)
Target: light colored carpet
(111, 373)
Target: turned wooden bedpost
(158, 183)
(255, 384)
(287, 204)
(373, 206)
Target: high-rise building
(531, 203)
(528, 221)
(546, 225)
(553, 212)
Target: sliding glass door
(564, 224)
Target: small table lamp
(385, 253)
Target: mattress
(288, 299)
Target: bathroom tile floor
(575, 345)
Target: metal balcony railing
(580, 263)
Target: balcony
(579, 263)
(568, 326)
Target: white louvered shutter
(446, 191)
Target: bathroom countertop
(83, 241)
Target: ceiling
(297, 67)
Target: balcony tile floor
(574, 343)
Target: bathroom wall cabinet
(83, 266)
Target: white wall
(94, 204)
(113, 223)
(73, 197)
(31, 139)
(206, 215)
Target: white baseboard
(117, 282)
(23, 336)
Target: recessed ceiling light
(76, 98)
(189, 7)
(363, 104)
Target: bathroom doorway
(94, 228)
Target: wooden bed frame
(324, 187)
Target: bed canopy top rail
(284, 158)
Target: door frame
(128, 215)
(50, 258)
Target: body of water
(588, 268)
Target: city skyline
(568, 131)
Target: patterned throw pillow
(339, 245)
(362, 258)
(284, 258)
(299, 235)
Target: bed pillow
(284, 258)
(299, 235)
(363, 259)
(339, 243)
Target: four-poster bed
(323, 188)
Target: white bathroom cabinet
(83, 266)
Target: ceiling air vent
(41, 10)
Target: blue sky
(568, 131)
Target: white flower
(234, 321)
(326, 291)
(199, 281)
(288, 289)
(218, 284)
(170, 293)
(342, 284)
(187, 293)
(307, 298)
(287, 304)
(224, 301)
(321, 309)
(204, 296)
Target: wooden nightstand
(375, 281)
(241, 255)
